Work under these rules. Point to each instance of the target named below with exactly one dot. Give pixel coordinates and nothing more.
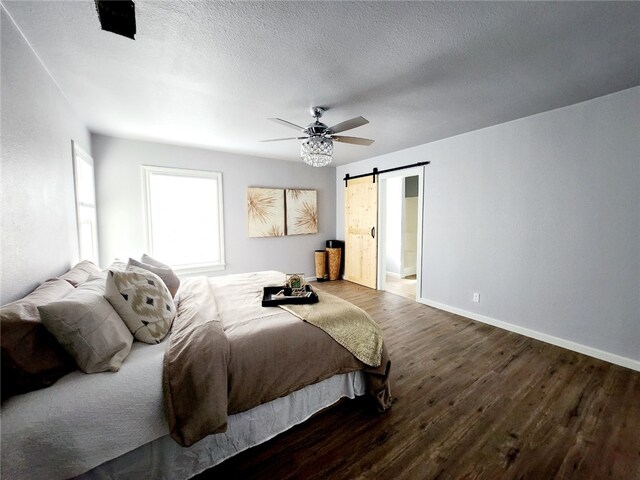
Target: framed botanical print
(302, 211)
(265, 212)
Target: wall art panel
(302, 212)
(265, 212)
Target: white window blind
(184, 218)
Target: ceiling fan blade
(288, 124)
(278, 139)
(353, 140)
(348, 124)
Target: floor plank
(470, 402)
(405, 287)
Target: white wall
(393, 227)
(37, 214)
(120, 202)
(410, 214)
(541, 216)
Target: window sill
(199, 269)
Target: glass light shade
(317, 151)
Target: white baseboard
(544, 337)
(393, 274)
(409, 271)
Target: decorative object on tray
(295, 281)
(265, 212)
(283, 295)
(302, 211)
(290, 293)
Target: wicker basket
(321, 264)
(334, 262)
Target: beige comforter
(229, 354)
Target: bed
(117, 425)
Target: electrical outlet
(476, 297)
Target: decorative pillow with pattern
(143, 302)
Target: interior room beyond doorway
(400, 214)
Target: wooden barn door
(361, 231)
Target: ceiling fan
(317, 148)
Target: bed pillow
(31, 356)
(88, 327)
(116, 265)
(80, 273)
(143, 301)
(165, 272)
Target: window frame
(77, 153)
(147, 172)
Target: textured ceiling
(211, 73)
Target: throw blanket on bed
(228, 354)
(347, 324)
(194, 373)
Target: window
(184, 220)
(83, 174)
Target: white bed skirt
(165, 459)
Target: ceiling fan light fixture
(317, 148)
(317, 151)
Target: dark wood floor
(470, 402)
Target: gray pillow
(143, 301)
(31, 357)
(165, 272)
(116, 265)
(80, 273)
(88, 327)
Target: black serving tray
(269, 301)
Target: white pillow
(88, 328)
(143, 301)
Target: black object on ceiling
(117, 16)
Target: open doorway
(400, 240)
